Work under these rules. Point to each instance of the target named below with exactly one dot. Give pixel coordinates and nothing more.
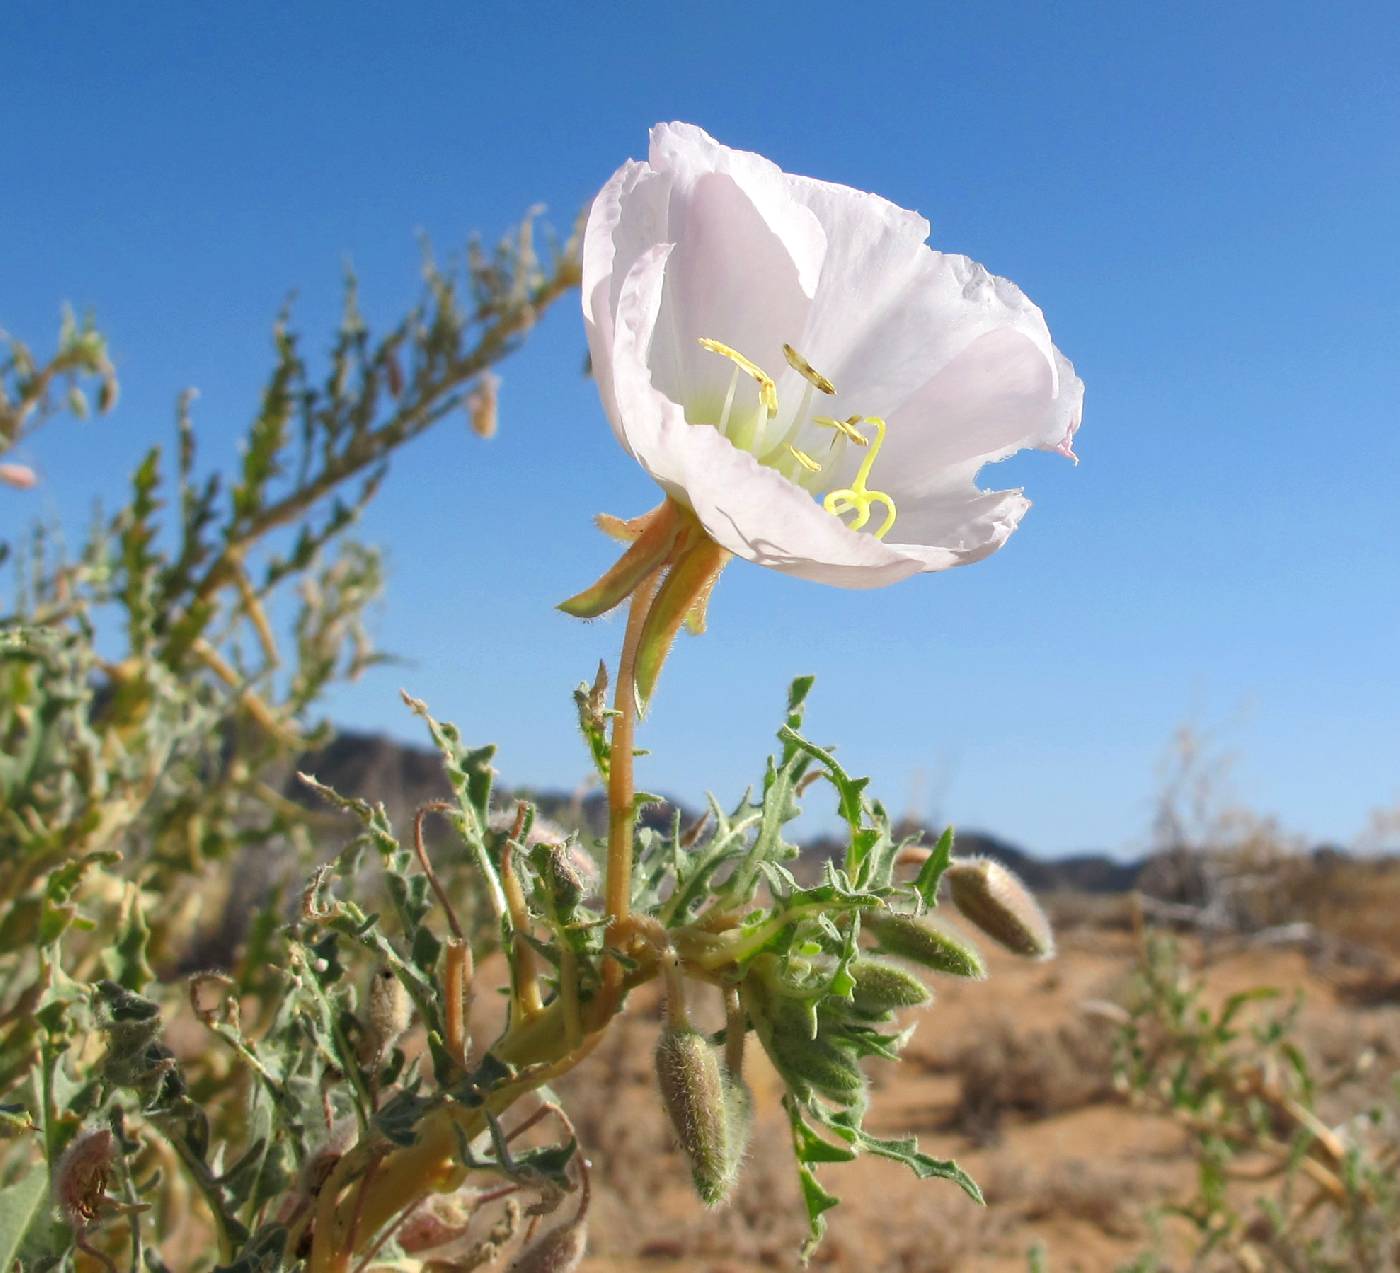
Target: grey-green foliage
(31, 392)
(148, 708)
(1235, 1078)
(149, 705)
(300, 1078)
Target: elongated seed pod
(561, 1250)
(924, 943)
(990, 896)
(693, 1092)
(881, 987)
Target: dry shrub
(943, 1235)
(1072, 1189)
(1357, 899)
(1044, 1072)
(1073, 911)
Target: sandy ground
(1082, 1181)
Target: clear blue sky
(1204, 198)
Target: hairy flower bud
(561, 1250)
(924, 943)
(20, 476)
(881, 987)
(738, 1120)
(693, 1091)
(81, 1179)
(816, 1063)
(564, 875)
(990, 896)
(390, 1008)
(784, 1028)
(481, 405)
(393, 374)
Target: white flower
(701, 265)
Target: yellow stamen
(847, 428)
(767, 389)
(805, 369)
(857, 497)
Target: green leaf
(22, 1205)
(262, 1254)
(399, 1117)
(931, 873)
(797, 696)
(125, 960)
(906, 1151)
(850, 790)
(817, 1200)
(810, 1149)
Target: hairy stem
(622, 813)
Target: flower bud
(390, 1008)
(805, 1062)
(20, 476)
(923, 943)
(693, 1091)
(81, 1179)
(481, 405)
(738, 1120)
(564, 875)
(393, 374)
(561, 1250)
(881, 987)
(816, 1063)
(990, 896)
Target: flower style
(793, 364)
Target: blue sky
(1204, 199)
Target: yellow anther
(767, 389)
(805, 369)
(805, 460)
(847, 428)
(857, 497)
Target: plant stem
(622, 813)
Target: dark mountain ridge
(403, 777)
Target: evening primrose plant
(814, 390)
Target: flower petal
(996, 397)
(751, 510)
(929, 308)
(687, 153)
(960, 527)
(628, 216)
(759, 515)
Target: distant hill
(404, 777)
